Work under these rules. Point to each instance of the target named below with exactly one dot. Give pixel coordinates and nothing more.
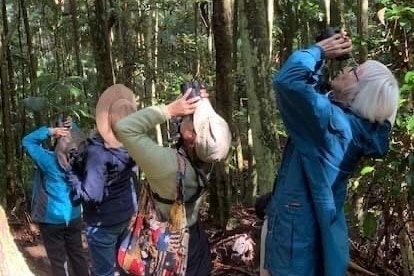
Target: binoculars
(195, 88)
(327, 33)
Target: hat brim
(213, 136)
(110, 96)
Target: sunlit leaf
(367, 169)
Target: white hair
(378, 93)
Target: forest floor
(244, 230)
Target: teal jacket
(51, 198)
(307, 231)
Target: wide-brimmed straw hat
(213, 136)
(115, 103)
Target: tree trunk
(100, 34)
(222, 30)
(255, 54)
(337, 13)
(8, 142)
(363, 29)
(128, 58)
(32, 59)
(289, 27)
(76, 38)
(327, 10)
(151, 49)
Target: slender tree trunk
(222, 30)
(76, 38)
(8, 133)
(100, 34)
(196, 60)
(289, 27)
(337, 13)
(262, 108)
(237, 103)
(327, 10)
(128, 59)
(363, 29)
(22, 75)
(30, 52)
(12, 87)
(32, 59)
(151, 49)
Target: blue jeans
(103, 243)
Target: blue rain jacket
(107, 189)
(51, 199)
(307, 232)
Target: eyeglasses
(353, 69)
(354, 65)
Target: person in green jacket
(204, 138)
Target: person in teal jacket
(53, 208)
(328, 135)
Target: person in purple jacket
(107, 187)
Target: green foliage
(404, 14)
(370, 225)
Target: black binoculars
(195, 88)
(327, 33)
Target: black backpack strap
(180, 178)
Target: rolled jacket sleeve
(133, 130)
(32, 143)
(305, 111)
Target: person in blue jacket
(328, 135)
(107, 189)
(59, 219)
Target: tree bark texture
(222, 30)
(363, 29)
(262, 108)
(8, 142)
(76, 38)
(100, 33)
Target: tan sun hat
(115, 103)
(213, 136)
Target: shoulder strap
(180, 178)
(201, 175)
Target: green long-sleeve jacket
(158, 163)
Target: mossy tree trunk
(256, 55)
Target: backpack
(153, 246)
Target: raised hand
(336, 45)
(58, 132)
(183, 105)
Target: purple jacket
(107, 188)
